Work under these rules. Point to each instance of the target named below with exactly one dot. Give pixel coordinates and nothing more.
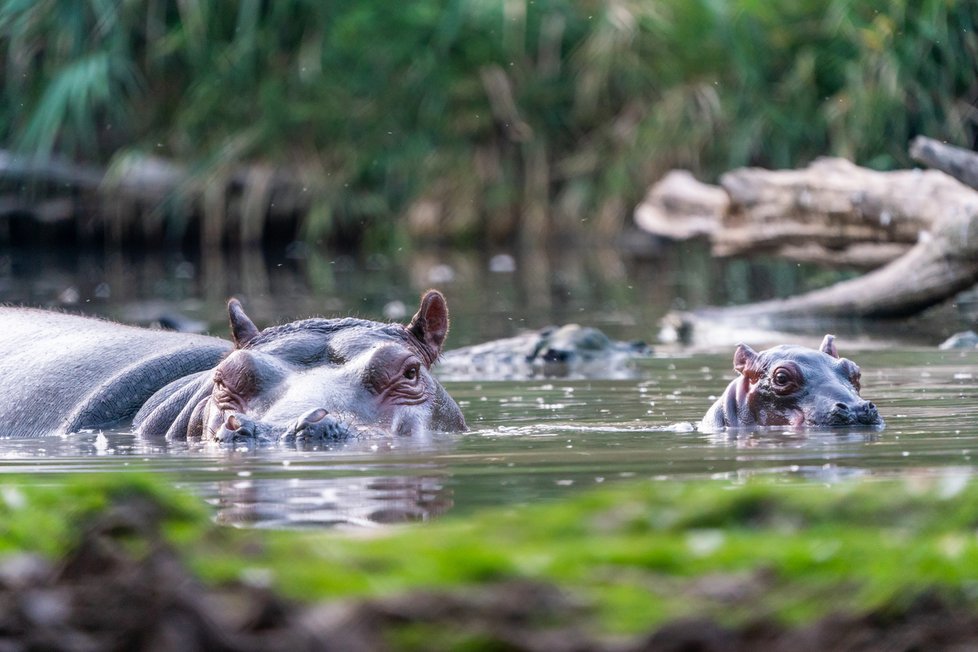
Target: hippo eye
(782, 377)
(411, 373)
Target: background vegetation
(483, 117)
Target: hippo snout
(241, 427)
(316, 425)
(862, 413)
(867, 414)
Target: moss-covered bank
(623, 560)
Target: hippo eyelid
(791, 381)
(394, 370)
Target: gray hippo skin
(792, 386)
(554, 351)
(307, 380)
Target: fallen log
(832, 212)
(679, 207)
(249, 196)
(833, 205)
(824, 210)
(962, 164)
(934, 270)
(943, 262)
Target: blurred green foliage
(486, 106)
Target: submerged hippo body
(62, 373)
(554, 351)
(792, 386)
(310, 379)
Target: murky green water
(531, 440)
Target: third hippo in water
(310, 379)
(554, 351)
(792, 386)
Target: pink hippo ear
(828, 346)
(430, 325)
(243, 330)
(744, 357)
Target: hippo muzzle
(314, 426)
(861, 413)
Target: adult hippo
(309, 379)
(792, 386)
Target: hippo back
(60, 373)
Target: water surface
(532, 440)
(541, 439)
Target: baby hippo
(792, 386)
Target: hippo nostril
(866, 413)
(317, 415)
(240, 425)
(556, 355)
(315, 425)
(236, 426)
(312, 416)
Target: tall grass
(502, 114)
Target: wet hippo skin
(552, 352)
(792, 386)
(309, 379)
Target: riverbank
(105, 562)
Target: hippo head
(325, 378)
(792, 386)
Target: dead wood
(920, 225)
(832, 212)
(679, 207)
(943, 261)
(828, 207)
(962, 164)
(136, 190)
(939, 212)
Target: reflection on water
(532, 440)
(330, 502)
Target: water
(532, 440)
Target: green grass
(637, 554)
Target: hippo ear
(243, 330)
(743, 358)
(828, 346)
(430, 325)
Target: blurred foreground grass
(637, 555)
